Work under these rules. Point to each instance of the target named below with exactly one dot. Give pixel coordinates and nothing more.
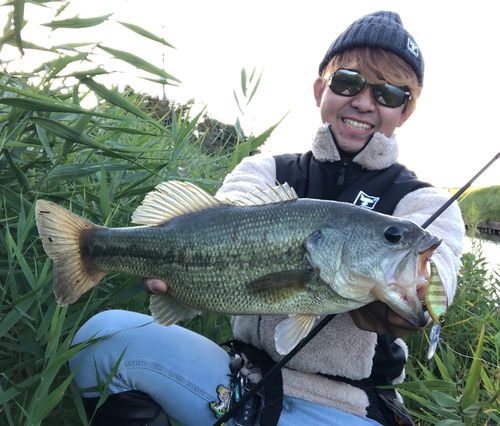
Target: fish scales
(205, 255)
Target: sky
(449, 138)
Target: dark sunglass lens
(391, 96)
(347, 83)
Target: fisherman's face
(355, 119)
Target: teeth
(356, 124)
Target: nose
(364, 101)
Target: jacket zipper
(342, 173)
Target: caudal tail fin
(62, 234)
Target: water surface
(490, 246)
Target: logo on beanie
(412, 47)
(365, 200)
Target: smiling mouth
(356, 124)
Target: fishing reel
(241, 384)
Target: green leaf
(127, 130)
(112, 373)
(442, 369)
(29, 45)
(58, 64)
(139, 63)
(244, 82)
(473, 381)
(45, 143)
(20, 175)
(66, 132)
(76, 22)
(450, 422)
(445, 400)
(50, 106)
(431, 406)
(159, 81)
(238, 102)
(253, 73)
(255, 87)
(18, 23)
(242, 150)
(104, 196)
(145, 33)
(119, 101)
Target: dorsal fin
(272, 195)
(172, 199)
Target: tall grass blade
(119, 101)
(138, 63)
(51, 106)
(20, 175)
(473, 381)
(145, 33)
(104, 196)
(237, 102)
(18, 23)
(244, 82)
(255, 87)
(76, 22)
(45, 143)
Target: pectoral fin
(291, 331)
(167, 311)
(279, 286)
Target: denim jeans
(181, 370)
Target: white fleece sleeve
(418, 206)
(257, 171)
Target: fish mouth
(406, 273)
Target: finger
(154, 286)
(379, 318)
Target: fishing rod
(260, 384)
(458, 193)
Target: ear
(404, 116)
(319, 88)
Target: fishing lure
(436, 301)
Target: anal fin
(292, 330)
(167, 311)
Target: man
(368, 85)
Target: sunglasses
(350, 83)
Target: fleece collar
(379, 153)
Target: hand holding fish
(154, 286)
(381, 319)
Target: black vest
(379, 190)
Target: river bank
(492, 228)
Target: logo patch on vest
(366, 201)
(412, 47)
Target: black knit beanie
(383, 30)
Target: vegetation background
(100, 162)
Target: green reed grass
(461, 384)
(100, 163)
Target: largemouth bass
(277, 255)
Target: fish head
(367, 256)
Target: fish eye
(393, 234)
(442, 320)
